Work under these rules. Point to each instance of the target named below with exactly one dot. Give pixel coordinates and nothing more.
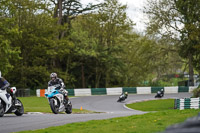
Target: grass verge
(153, 105)
(40, 104)
(146, 123)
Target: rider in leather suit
(57, 81)
(4, 84)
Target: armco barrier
(119, 90)
(155, 89)
(143, 90)
(187, 103)
(130, 89)
(70, 92)
(82, 92)
(171, 89)
(183, 89)
(98, 91)
(114, 91)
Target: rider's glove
(58, 88)
(63, 91)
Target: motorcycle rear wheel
(54, 108)
(1, 110)
(20, 109)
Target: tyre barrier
(187, 103)
(119, 90)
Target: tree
(85, 48)
(97, 38)
(190, 13)
(113, 25)
(170, 19)
(35, 36)
(146, 59)
(8, 54)
(66, 11)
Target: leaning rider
(4, 84)
(57, 81)
(126, 94)
(162, 92)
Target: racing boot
(66, 101)
(14, 100)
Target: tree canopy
(93, 46)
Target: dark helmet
(53, 76)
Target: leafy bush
(196, 92)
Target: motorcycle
(159, 94)
(122, 97)
(57, 101)
(10, 105)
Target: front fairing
(121, 96)
(57, 97)
(51, 93)
(6, 98)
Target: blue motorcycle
(57, 101)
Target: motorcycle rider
(123, 96)
(57, 81)
(126, 94)
(4, 84)
(162, 92)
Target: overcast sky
(134, 11)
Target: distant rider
(126, 94)
(162, 92)
(4, 84)
(57, 81)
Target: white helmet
(0, 74)
(53, 75)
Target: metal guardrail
(119, 90)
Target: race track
(105, 104)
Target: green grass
(146, 123)
(153, 105)
(40, 104)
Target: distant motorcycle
(159, 94)
(10, 105)
(122, 97)
(57, 101)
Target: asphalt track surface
(108, 105)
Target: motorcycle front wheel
(119, 100)
(20, 108)
(54, 106)
(68, 109)
(1, 110)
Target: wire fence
(23, 93)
